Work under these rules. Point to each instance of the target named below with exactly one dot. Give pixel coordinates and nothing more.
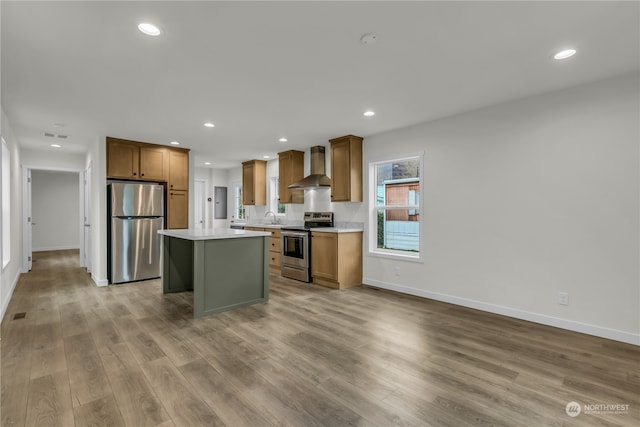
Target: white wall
(10, 274)
(96, 158)
(214, 178)
(526, 199)
(55, 198)
(52, 159)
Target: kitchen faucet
(273, 221)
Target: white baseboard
(55, 248)
(570, 325)
(7, 298)
(99, 282)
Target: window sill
(396, 256)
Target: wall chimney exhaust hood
(318, 177)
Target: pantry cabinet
(346, 169)
(178, 169)
(178, 209)
(140, 161)
(290, 170)
(254, 182)
(337, 259)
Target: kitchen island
(225, 268)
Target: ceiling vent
(53, 135)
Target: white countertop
(336, 230)
(212, 233)
(265, 225)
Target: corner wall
(527, 199)
(10, 275)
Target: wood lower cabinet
(178, 209)
(254, 182)
(346, 169)
(336, 259)
(290, 170)
(275, 252)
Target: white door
(87, 219)
(28, 223)
(198, 204)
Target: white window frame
(6, 204)
(237, 201)
(373, 249)
(274, 197)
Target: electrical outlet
(563, 298)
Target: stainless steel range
(296, 245)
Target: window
(395, 209)
(6, 205)
(238, 207)
(274, 197)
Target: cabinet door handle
(172, 187)
(134, 174)
(141, 174)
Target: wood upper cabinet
(346, 169)
(178, 209)
(337, 259)
(254, 182)
(178, 169)
(290, 170)
(136, 160)
(153, 163)
(123, 159)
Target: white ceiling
(264, 70)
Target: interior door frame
(203, 198)
(27, 215)
(85, 207)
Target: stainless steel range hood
(317, 178)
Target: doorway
(53, 212)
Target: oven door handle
(294, 234)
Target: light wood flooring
(129, 356)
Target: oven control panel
(318, 217)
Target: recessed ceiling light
(149, 29)
(265, 157)
(58, 125)
(56, 145)
(174, 143)
(564, 54)
(369, 113)
(283, 140)
(207, 163)
(209, 125)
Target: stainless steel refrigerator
(136, 214)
